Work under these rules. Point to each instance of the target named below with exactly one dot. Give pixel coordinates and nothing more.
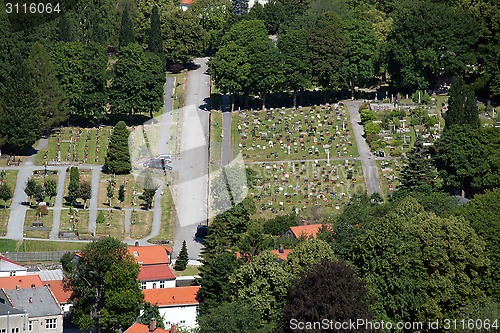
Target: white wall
(174, 315)
(168, 284)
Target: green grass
(389, 176)
(143, 221)
(41, 246)
(8, 245)
(31, 217)
(189, 271)
(81, 221)
(180, 89)
(216, 128)
(113, 226)
(10, 178)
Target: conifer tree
(74, 186)
(155, 40)
(419, 169)
(462, 106)
(182, 259)
(127, 29)
(121, 194)
(118, 156)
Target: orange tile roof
(306, 230)
(25, 281)
(141, 328)
(172, 296)
(155, 273)
(56, 286)
(282, 256)
(150, 255)
(186, 2)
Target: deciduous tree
(50, 187)
(85, 193)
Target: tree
(155, 39)
(30, 188)
(39, 193)
(85, 193)
(151, 311)
(118, 156)
(127, 29)
(182, 259)
(53, 107)
(233, 317)
(462, 106)
(121, 194)
(110, 190)
(148, 192)
(240, 7)
(50, 187)
(100, 217)
(419, 169)
(307, 254)
(263, 284)
(294, 49)
(343, 297)
(327, 45)
(74, 186)
(5, 194)
(214, 16)
(215, 271)
(253, 241)
(279, 224)
(105, 294)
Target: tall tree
(121, 194)
(462, 106)
(214, 16)
(342, 297)
(50, 186)
(53, 107)
(182, 259)
(327, 45)
(110, 190)
(126, 29)
(155, 39)
(5, 193)
(240, 7)
(118, 156)
(105, 294)
(307, 254)
(74, 186)
(85, 192)
(30, 188)
(419, 169)
(151, 311)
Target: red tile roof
(56, 286)
(306, 230)
(172, 296)
(283, 256)
(141, 328)
(150, 255)
(25, 281)
(186, 2)
(155, 273)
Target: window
(162, 284)
(13, 273)
(154, 285)
(51, 323)
(30, 325)
(3, 330)
(15, 330)
(183, 321)
(143, 285)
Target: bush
(100, 217)
(43, 210)
(372, 128)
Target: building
(12, 320)
(185, 4)
(44, 313)
(11, 268)
(62, 296)
(26, 281)
(151, 254)
(178, 306)
(282, 253)
(307, 231)
(141, 328)
(156, 276)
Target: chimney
(281, 250)
(152, 324)
(17, 287)
(173, 329)
(31, 300)
(136, 243)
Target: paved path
(56, 223)
(96, 174)
(191, 188)
(368, 163)
(128, 219)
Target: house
(282, 253)
(141, 328)
(151, 254)
(62, 296)
(12, 319)
(27, 281)
(185, 4)
(178, 306)
(44, 313)
(11, 268)
(307, 231)
(156, 276)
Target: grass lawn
(8, 245)
(130, 184)
(10, 177)
(285, 134)
(215, 140)
(31, 217)
(141, 224)
(41, 246)
(88, 145)
(305, 187)
(180, 89)
(189, 271)
(113, 226)
(75, 220)
(167, 217)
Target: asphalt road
(191, 186)
(367, 158)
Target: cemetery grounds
(305, 159)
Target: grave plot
(281, 188)
(38, 222)
(113, 225)
(76, 222)
(76, 145)
(85, 176)
(141, 223)
(132, 192)
(294, 134)
(389, 171)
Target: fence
(35, 256)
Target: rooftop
(56, 286)
(306, 230)
(9, 310)
(38, 302)
(282, 256)
(156, 273)
(150, 255)
(172, 296)
(141, 328)
(25, 281)
(8, 265)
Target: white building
(10, 268)
(156, 276)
